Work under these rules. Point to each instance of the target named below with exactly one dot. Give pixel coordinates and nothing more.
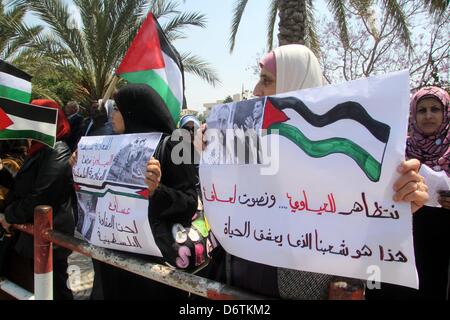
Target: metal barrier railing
(44, 237)
(15, 291)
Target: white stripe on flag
(13, 82)
(358, 134)
(25, 124)
(172, 75)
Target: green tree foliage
(86, 51)
(228, 99)
(297, 22)
(14, 33)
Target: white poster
(437, 181)
(316, 193)
(112, 196)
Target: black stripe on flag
(171, 52)
(348, 110)
(10, 69)
(28, 111)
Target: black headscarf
(143, 110)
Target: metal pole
(43, 254)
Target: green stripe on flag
(27, 134)
(14, 94)
(322, 148)
(152, 79)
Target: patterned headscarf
(432, 150)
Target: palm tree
(437, 7)
(14, 34)
(297, 23)
(90, 52)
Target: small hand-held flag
(25, 121)
(153, 61)
(18, 119)
(15, 84)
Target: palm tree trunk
(292, 26)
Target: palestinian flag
(15, 84)
(25, 121)
(152, 60)
(328, 133)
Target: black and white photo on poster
(87, 208)
(130, 162)
(248, 114)
(234, 133)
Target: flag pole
(112, 86)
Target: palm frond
(312, 40)
(399, 21)
(238, 11)
(123, 29)
(56, 14)
(162, 8)
(16, 13)
(273, 12)
(337, 7)
(196, 65)
(362, 6)
(173, 29)
(43, 92)
(365, 10)
(14, 34)
(22, 39)
(437, 7)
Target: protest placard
(318, 195)
(112, 195)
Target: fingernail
(400, 169)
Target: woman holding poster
(290, 68)
(172, 192)
(429, 142)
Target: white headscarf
(297, 68)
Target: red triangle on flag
(272, 115)
(145, 51)
(5, 121)
(144, 193)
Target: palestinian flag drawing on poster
(25, 121)
(369, 157)
(15, 84)
(152, 60)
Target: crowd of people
(43, 175)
